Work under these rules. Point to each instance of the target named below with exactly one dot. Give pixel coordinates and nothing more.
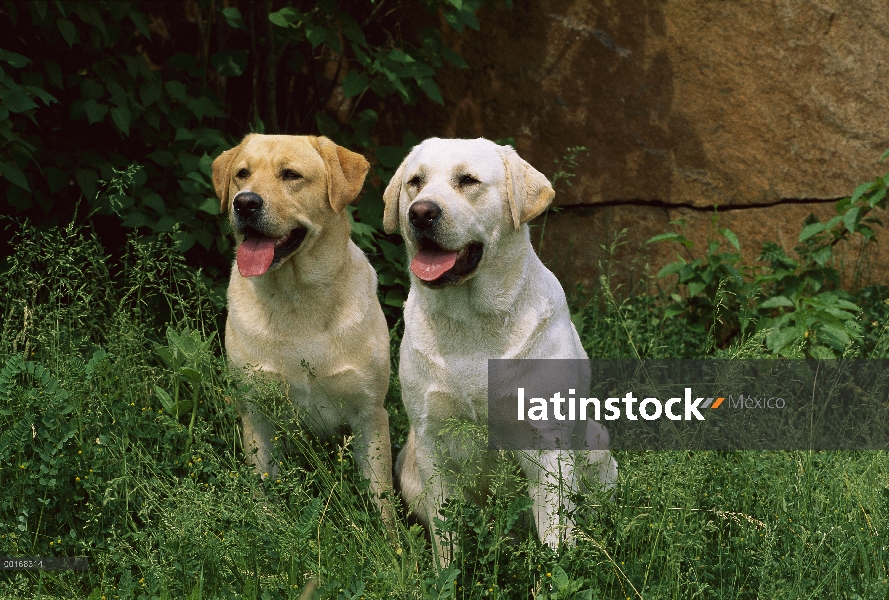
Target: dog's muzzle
(436, 265)
(247, 206)
(423, 215)
(259, 251)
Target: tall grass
(164, 505)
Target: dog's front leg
(257, 434)
(551, 483)
(437, 489)
(374, 457)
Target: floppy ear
(222, 166)
(390, 199)
(528, 191)
(346, 171)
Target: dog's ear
(528, 191)
(390, 199)
(346, 171)
(222, 167)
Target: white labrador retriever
(302, 299)
(478, 291)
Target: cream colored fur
(313, 321)
(512, 306)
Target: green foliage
(565, 588)
(563, 174)
(796, 303)
(101, 465)
(95, 464)
(119, 96)
(118, 435)
(566, 166)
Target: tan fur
(511, 306)
(222, 173)
(390, 199)
(527, 190)
(313, 320)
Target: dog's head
(454, 200)
(281, 191)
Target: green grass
(164, 505)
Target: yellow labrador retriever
(302, 302)
(478, 291)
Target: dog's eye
(290, 175)
(414, 181)
(468, 180)
(242, 174)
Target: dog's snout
(424, 214)
(247, 204)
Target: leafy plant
(797, 302)
(91, 467)
(161, 112)
(565, 588)
(188, 357)
(564, 173)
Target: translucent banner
(688, 404)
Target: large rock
(689, 103)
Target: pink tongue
(255, 255)
(429, 265)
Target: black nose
(423, 214)
(247, 204)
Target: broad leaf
(17, 102)
(837, 333)
(354, 83)
(66, 28)
(811, 230)
(316, 34)
(182, 407)
(821, 352)
(11, 171)
(229, 63)
(16, 60)
(731, 237)
(326, 125)
(233, 17)
(390, 156)
(696, 287)
(777, 301)
(282, 18)
(877, 197)
(431, 89)
(138, 20)
(851, 218)
(95, 112)
(87, 179)
(822, 255)
(663, 237)
(192, 375)
(861, 190)
(166, 399)
(671, 268)
(453, 58)
(176, 89)
(121, 117)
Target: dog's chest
(303, 366)
(273, 340)
(441, 386)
